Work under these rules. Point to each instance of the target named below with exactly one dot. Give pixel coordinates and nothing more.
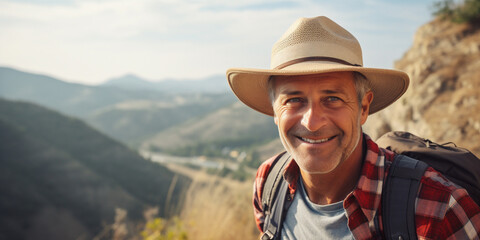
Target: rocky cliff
(442, 102)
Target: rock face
(442, 102)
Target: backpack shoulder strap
(399, 195)
(273, 196)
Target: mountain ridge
(211, 84)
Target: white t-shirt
(307, 220)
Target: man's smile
(315, 141)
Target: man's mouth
(313, 141)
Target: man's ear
(366, 101)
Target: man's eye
(333, 99)
(294, 100)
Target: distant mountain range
(70, 98)
(61, 179)
(213, 84)
(117, 108)
(81, 100)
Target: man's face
(319, 118)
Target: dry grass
(217, 208)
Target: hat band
(306, 59)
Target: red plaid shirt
(443, 211)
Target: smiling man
(320, 95)
(320, 117)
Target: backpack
(415, 155)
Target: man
(320, 96)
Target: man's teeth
(315, 141)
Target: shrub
(161, 229)
(458, 12)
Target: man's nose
(314, 118)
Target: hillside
(218, 208)
(60, 179)
(232, 126)
(135, 121)
(442, 100)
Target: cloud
(255, 6)
(90, 41)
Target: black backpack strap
(399, 195)
(273, 197)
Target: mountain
(213, 84)
(130, 115)
(61, 179)
(442, 102)
(129, 81)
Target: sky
(91, 41)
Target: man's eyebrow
(332, 91)
(324, 91)
(291, 92)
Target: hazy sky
(90, 41)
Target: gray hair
(362, 86)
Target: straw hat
(313, 46)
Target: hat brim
(251, 85)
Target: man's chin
(312, 166)
(316, 170)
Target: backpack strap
(399, 195)
(273, 197)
